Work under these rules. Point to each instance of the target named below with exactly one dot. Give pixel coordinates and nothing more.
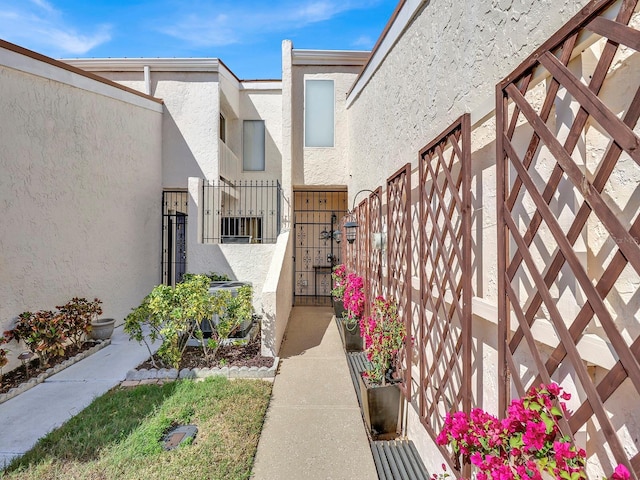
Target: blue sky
(245, 34)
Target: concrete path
(28, 417)
(313, 428)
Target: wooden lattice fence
(398, 258)
(445, 276)
(567, 231)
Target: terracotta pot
(382, 408)
(102, 328)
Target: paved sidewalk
(31, 415)
(313, 428)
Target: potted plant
(384, 334)
(353, 300)
(339, 277)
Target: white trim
(405, 16)
(22, 63)
(330, 57)
(265, 85)
(138, 64)
(593, 349)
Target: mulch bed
(18, 375)
(231, 356)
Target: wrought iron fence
(247, 211)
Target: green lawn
(119, 435)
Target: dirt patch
(19, 375)
(231, 356)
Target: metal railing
(243, 211)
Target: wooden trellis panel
(375, 255)
(445, 273)
(551, 205)
(398, 258)
(363, 243)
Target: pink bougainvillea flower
(621, 473)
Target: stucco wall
(258, 104)
(277, 295)
(190, 122)
(80, 189)
(446, 63)
(328, 165)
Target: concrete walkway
(313, 428)
(31, 415)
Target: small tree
(173, 315)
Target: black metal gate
(316, 217)
(174, 235)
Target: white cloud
(242, 20)
(38, 25)
(364, 41)
(44, 5)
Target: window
(253, 145)
(319, 106)
(223, 128)
(241, 230)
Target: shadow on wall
(178, 161)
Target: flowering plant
(523, 445)
(384, 334)
(353, 299)
(339, 277)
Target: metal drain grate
(398, 460)
(179, 435)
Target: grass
(120, 434)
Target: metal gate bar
(175, 204)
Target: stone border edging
(32, 382)
(186, 373)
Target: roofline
(70, 68)
(329, 57)
(388, 38)
(137, 64)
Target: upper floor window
(253, 145)
(319, 112)
(223, 128)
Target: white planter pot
(102, 328)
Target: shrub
(76, 317)
(173, 315)
(526, 444)
(354, 298)
(42, 332)
(384, 334)
(339, 276)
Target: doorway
(317, 214)
(174, 236)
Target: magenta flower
(621, 473)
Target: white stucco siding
(446, 63)
(190, 125)
(321, 165)
(263, 105)
(80, 191)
